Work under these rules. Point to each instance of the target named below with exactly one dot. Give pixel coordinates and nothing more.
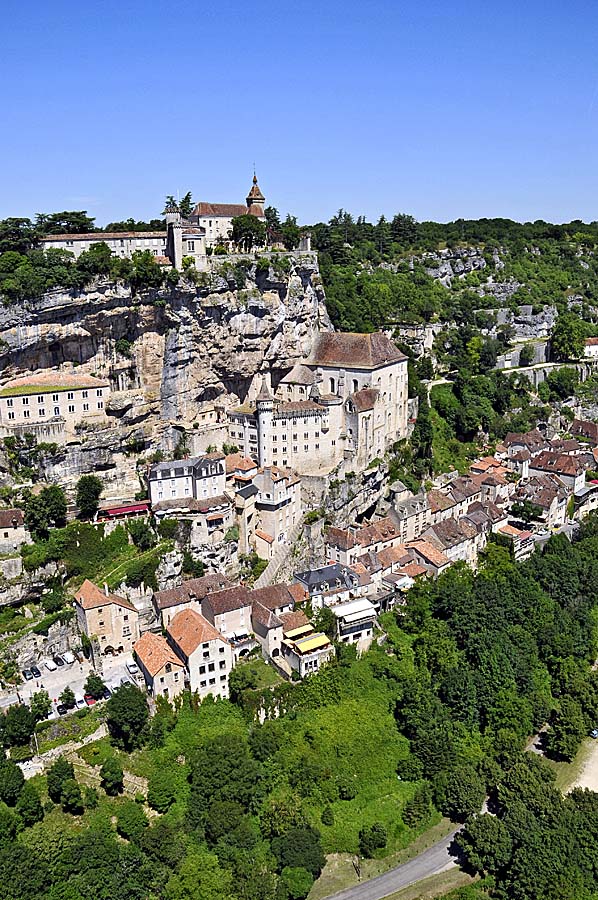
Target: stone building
(13, 533)
(51, 405)
(163, 671)
(110, 619)
(121, 243)
(206, 653)
(216, 219)
(347, 401)
(188, 479)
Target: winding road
(435, 859)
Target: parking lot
(73, 676)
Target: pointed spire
(264, 393)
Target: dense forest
(359, 758)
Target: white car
(51, 665)
(133, 668)
(79, 701)
(68, 657)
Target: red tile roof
(192, 589)
(11, 518)
(365, 399)
(89, 596)
(225, 210)
(188, 630)
(153, 652)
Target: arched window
(355, 385)
(332, 386)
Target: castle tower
(174, 234)
(264, 410)
(255, 199)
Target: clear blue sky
(439, 109)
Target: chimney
(106, 591)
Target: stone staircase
(279, 557)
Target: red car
(89, 699)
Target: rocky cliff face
(169, 353)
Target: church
(347, 401)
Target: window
(211, 667)
(332, 386)
(10, 402)
(25, 401)
(305, 448)
(126, 618)
(221, 650)
(294, 437)
(317, 447)
(212, 681)
(100, 404)
(190, 245)
(202, 684)
(127, 631)
(99, 392)
(54, 398)
(41, 412)
(168, 667)
(355, 385)
(56, 410)
(11, 415)
(86, 407)
(71, 408)
(202, 670)
(40, 398)
(25, 413)
(306, 435)
(70, 396)
(223, 678)
(222, 664)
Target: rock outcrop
(169, 354)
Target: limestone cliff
(169, 354)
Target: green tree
(325, 621)
(46, 510)
(95, 685)
(11, 782)
(41, 705)
(112, 776)
(131, 821)
(70, 798)
(67, 698)
(19, 724)
(29, 806)
(460, 793)
(527, 354)
(126, 716)
(327, 817)
(272, 218)
(66, 222)
(567, 337)
(200, 878)
(89, 491)
(291, 233)
(300, 847)
(161, 790)
(487, 844)
(186, 205)
(526, 511)
(567, 729)
(58, 773)
(372, 838)
(248, 232)
(223, 816)
(297, 882)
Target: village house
(52, 405)
(163, 671)
(570, 470)
(188, 595)
(533, 441)
(199, 478)
(521, 540)
(355, 622)
(328, 585)
(549, 494)
(207, 655)
(229, 611)
(428, 556)
(458, 539)
(585, 430)
(412, 515)
(590, 350)
(278, 507)
(13, 533)
(304, 650)
(111, 620)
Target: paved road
(432, 861)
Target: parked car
(133, 668)
(51, 665)
(79, 701)
(594, 733)
(61, 709)
(107, 693)
(36, 672)
(58, 660)
(125, 680)
(68, 657)
(27, 674)
(89, 699)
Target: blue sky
(442, 110)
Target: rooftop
(90, 596)
(48, 382)
(354, 351)
(192, 589)
(188, 630)
(154, 652)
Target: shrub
(372, 838)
